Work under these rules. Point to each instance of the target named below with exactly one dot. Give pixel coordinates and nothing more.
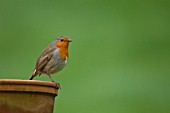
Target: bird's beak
(69, 40)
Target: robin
(53, 58)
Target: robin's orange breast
(63, 52)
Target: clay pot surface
(27, 96)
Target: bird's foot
(57, 84)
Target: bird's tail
(33, 75)
(31, 78)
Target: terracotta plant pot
(27, 96)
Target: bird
(53, 58)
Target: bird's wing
(41, 64)
(43, 59)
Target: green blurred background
(119, 58)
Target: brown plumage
(53, 58)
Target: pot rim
(31, 86)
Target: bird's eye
(62, 40)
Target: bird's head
(63, 42)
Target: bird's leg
(57, 84)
